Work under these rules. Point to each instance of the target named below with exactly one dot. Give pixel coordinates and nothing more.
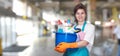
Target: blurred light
(17, 5)
(26, 33)
(53, 23)
(29, 11)
(97, 22)
(112, 21)
(24, 17)
(21, 8)
(119, 16)
(48, 28)
(107, 24)
(23, 27)
(42, 22)
(88, 21)
(8, 20)
(49, 16)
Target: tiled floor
(43, 46)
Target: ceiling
(55, 4)
(68, 5)
(63, 4)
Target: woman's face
(80, 15)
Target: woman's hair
(79, 6)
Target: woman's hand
(63, 46)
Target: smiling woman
(85, 37)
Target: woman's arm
(82, 43)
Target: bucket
(65, 37)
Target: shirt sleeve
(89, 34)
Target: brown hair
(79, 6)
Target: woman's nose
(80, 15)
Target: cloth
(81, 35)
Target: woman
(86, 36)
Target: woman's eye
(82, 13)
(77, 13)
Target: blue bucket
(65, 37)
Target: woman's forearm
(82, 43)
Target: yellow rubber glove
(63, 46)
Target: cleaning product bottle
(60, 27)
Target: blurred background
(27, 26)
